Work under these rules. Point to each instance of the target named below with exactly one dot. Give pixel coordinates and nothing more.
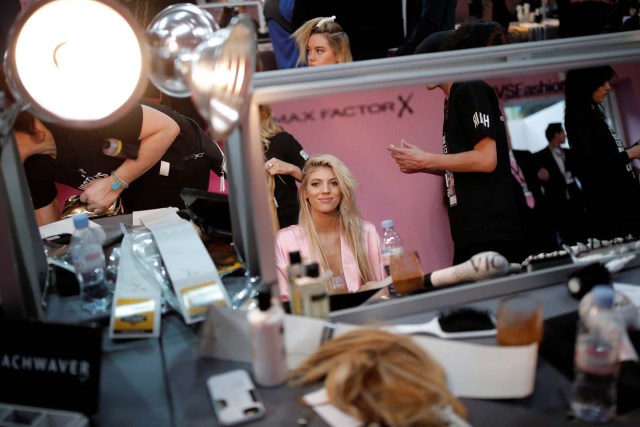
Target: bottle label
(388, 252)
(89, 261)
(596, 358)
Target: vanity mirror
(356, 110)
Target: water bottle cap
(387, 223)
(602, 296)
(81, 221)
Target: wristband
(117, 182)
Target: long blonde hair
(268, 126)
(331, 30)
(268, 129)
(380, 377)
(349, 218)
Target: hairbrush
(456, 323)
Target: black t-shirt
(481, 205)
(285, 147)
(80, 160)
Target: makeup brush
(456, 323)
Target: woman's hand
(99, 195)
(276, 166)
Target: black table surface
(162, 381)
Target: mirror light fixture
(191, 56)
(77, 61)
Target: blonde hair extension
(380, 377)
(268, 126)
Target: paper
(333, 416)
(631, 291)
(137, 216)
(473, 370)
(193, 274)
(480, 371)
(135, 311)
(61, 227)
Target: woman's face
(322, 190)
(601, 93)
(319, 52)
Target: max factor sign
(73, 367)
(523, 90)
(396, 107)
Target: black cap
(264, 298)
(313, 269)
(294, 257)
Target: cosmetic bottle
(266, 331)
(313, 289)
(295, 271)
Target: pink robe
(293, 238)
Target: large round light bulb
(77, 61)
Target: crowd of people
(559, 196)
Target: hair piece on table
(380, 377)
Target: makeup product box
(193, 274)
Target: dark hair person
(602, 162)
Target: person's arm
(276, 166)
(156, 136)
(411, 159)
(48, 214)
(286, 156)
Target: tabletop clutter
(424, 368)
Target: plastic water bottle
(596, 361)
(391, 243)
(89, 262)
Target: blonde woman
(330, 231)
(285, 159)
(321, 41)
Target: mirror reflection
(404, 27)
(358, 128)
